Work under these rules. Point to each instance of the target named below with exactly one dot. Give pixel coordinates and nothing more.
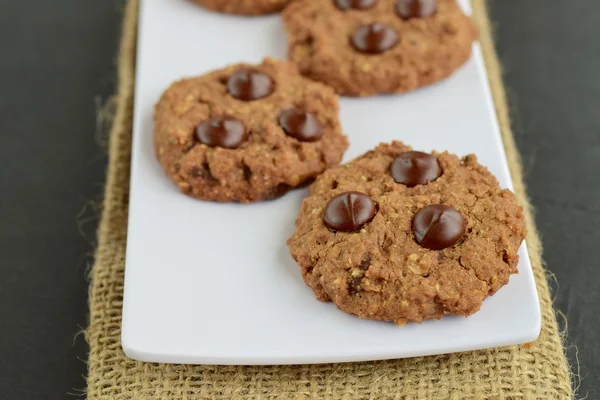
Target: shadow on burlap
(538, 370)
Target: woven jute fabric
(538, 370)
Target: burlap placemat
(538, 370)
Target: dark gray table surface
(58, 63)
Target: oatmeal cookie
(247, 133)
(244, 7)
(365, 47)
(399, 235)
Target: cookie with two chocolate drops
(244, 7)
(401, 235)
(365, 47)
(247, 132)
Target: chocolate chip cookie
(247, 132)
(365, 47)
(245, 7)
(400, 235)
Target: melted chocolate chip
(374, 38)
(365, 263)
(407, 9)
(301, 125)
(437, 227)
(413, 168)
(349, 211)
(224, 132)
(354, 285)
(249, 84)
(278, 191)
(354, 4)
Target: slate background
(58, 63)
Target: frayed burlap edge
(538, 370)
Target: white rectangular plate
(212, 283)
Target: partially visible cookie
(244, 7)
(398, 235)
(247, 132)
(365, 47)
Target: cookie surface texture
(386, 269)
(247, 132)
(244, 7)
(362, 48)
